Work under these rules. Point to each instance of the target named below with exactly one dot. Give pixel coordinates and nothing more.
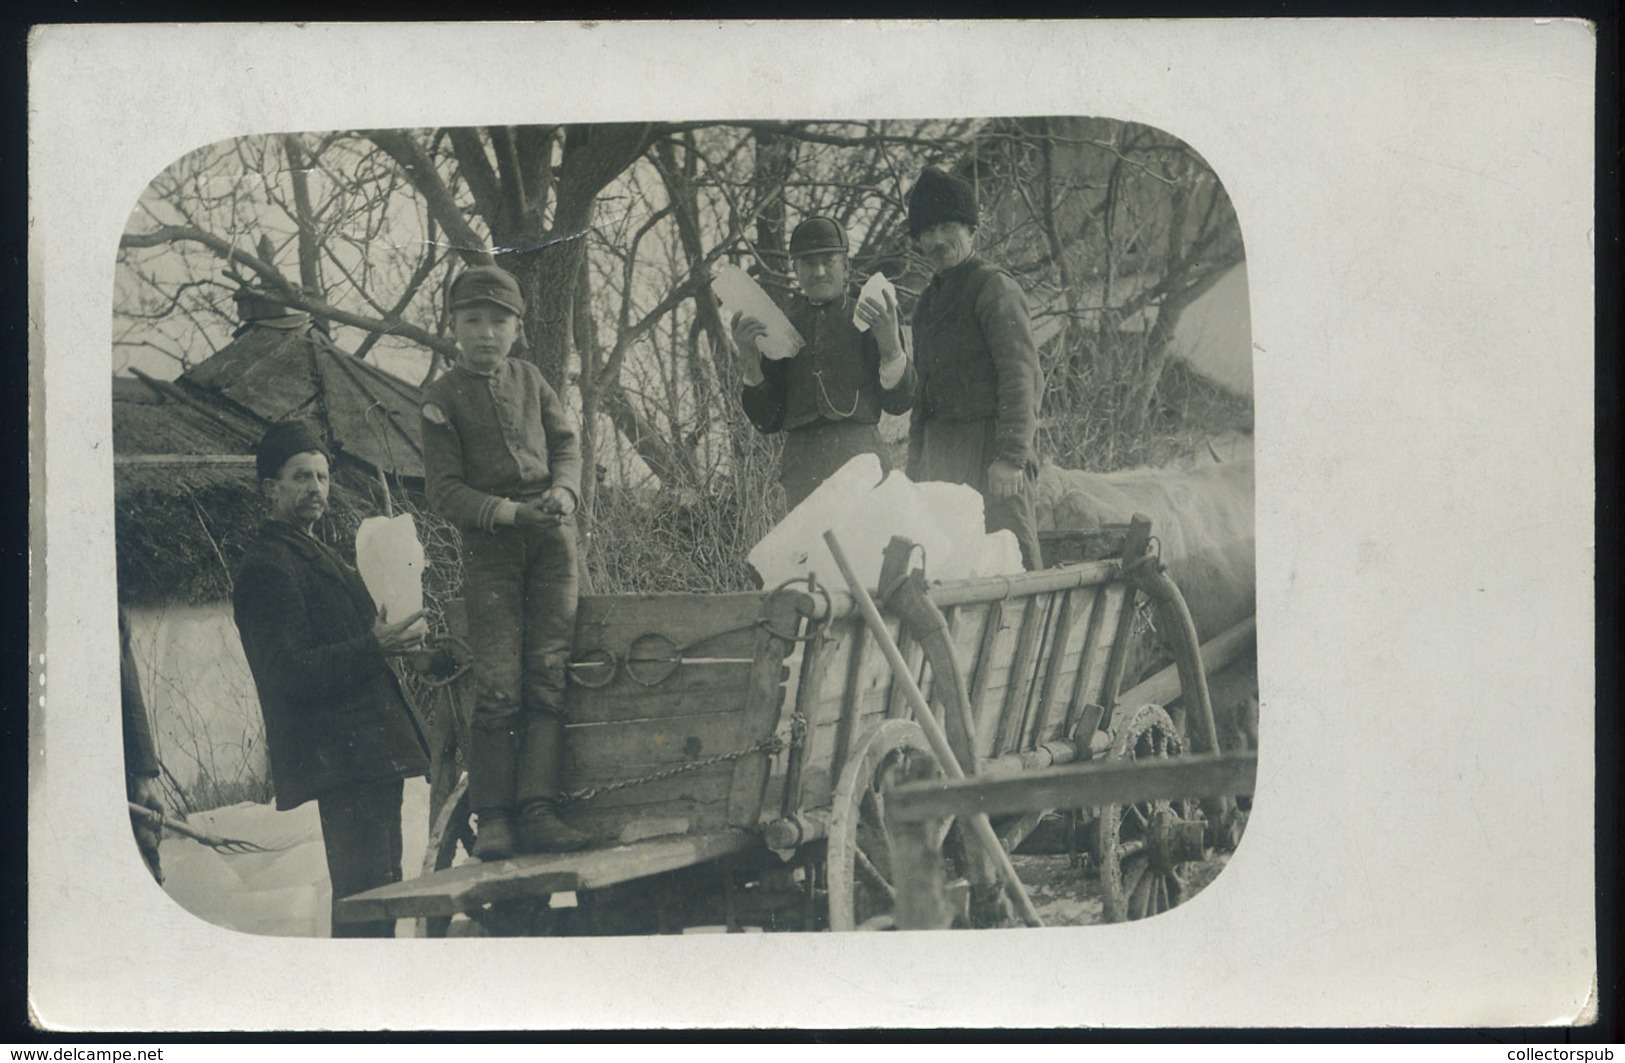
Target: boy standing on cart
(503, 463)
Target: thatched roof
(186, 500)
(277, 374)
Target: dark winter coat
(334, 713)
(973, 347)
(835, 377)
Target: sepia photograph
(717, 542)
(579, 404)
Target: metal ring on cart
(651, 658)
(818, 626)
(593, 669)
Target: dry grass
(1091, 422)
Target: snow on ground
(282, 892)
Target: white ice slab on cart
(865, 512)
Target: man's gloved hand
(1004, 479)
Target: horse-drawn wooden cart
(731, 753)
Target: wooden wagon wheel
(862, 886)
(1140, 847)
(448, 829)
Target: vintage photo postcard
(718, 515)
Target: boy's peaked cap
(487, 284)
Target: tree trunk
(310, 277)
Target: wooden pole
(981, 827)
(1216, 654)
(1077, 786)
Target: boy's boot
(492, 767)
(541, 777)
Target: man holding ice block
(337, 727)
(828, 396)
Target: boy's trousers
(519, 586)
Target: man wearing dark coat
(337, 727)
(827, 399)
(976, 409)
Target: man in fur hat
(336, 724)
(976, 406)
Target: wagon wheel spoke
(1140, 895)
(1134, 875)
(873, 873)
(1139, 846)
(875, 805)
(858, 866)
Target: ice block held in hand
(390, 558)
(874, 288)
(742, 295)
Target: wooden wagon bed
(709, 726)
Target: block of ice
(742, 295)
(786, 550)
(390, 558)
(1001, 554)
(873, 288)
(865, 512)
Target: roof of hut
(186, 501)
(285, 367)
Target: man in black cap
(976, 412)
(828, 398)
(336, 724)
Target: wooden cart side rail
(830, 604)
(1087, 785)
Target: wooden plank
(1112, 610)
(857, 682)
(647, 819)
(763, 705)
(993, 637)
(1223, 648)
(471, 886)
(1134, 551)
(815, 669)
(897, 703)
(703, 785)
(1015, 695)
(1086, 665)
(1052, 675)
(1068, 659)
(698, 690)
(643, 745)
(993, 588)
(1089, 785)
(1118, 659)
(1038, 675)
(620, 618)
